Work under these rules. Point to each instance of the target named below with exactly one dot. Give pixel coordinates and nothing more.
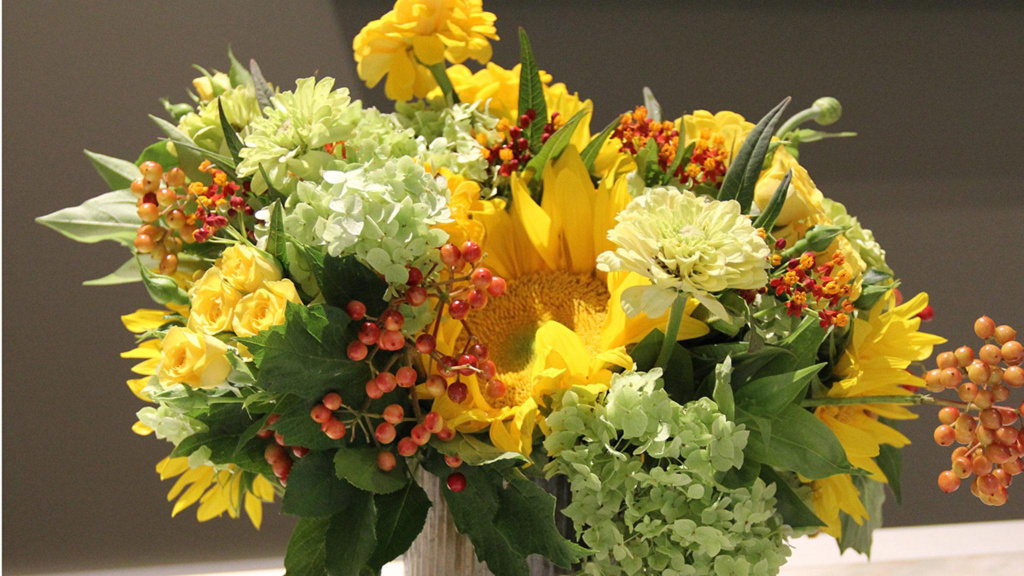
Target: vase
(441, 551)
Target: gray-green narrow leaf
(110, 216)
(652, 105)
(593, 149)
(115, 172)
(771, 212)
(742, 176)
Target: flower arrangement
(668, 315)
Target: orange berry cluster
(992, 446)
(157, 192)
(803, 284)
(277, 452)
(635, 129)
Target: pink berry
(357, 351)
(332, 401)
(415, 277)
(481, 278)
(406, 447)
(487, 369)
(386, 461)
(450, 255)
(426, 344)
(369, 333)
(335, 429)
(496, 389)
(274, 453)
(458, 309)
(372, 390)
(394, 413)
(406, 376)
(356, 310)
(478, 350)
(385, 433)
(320, 413)
(416, 295)
(477, 299)
(386, 381)
(434, 423)
(300, 451)
(392, 319)
(419, 434)
(452, 461)
(456, 482)
(392, 340)
(436, 385)
(446, 434)
(471, 251)
(497, 287)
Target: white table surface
(982, 549)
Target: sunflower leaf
(307, 548)
(531, 92)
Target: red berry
(357, 351)
(467, 360)
(282, 468)
(356, 310)
(477, 299)
(385, 433)
(426, 344)
(927, 314)
(488, 369)
(457, 392)
(265, 431)
(372, 390)
(497, 287)
(450, 255)
(279, 438)
(386, 381)
(392, 340)
(458, 309)
(452, 461)
(300, 451)
(392, 319)
(446, 434)
(386, 461)
(394, 413)
(369, 333)
(334, 429)
(434, 423)
(481, 278)
(416, 295)
(332, 401)
(456, 482)
(436, 386)
(478, 350)
(471, 251)
(274, 453)
(320, 413)
(406, 447)
(419, 434)
(415, 277)
(445, 365)
(406, 376)
(496, 389)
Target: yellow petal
(254, 509)
(143, 320)
(147, 349)
(429, 49)
(569, 199)
(534, 224)
(141, 429)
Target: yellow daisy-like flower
(875, 363)
(140, 322)
(560, 323)
(416, 34)
(217, 491)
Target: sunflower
(560, 322)
(217, 491)
(882, 347)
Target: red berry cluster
(803, 284)
(992, 446)
(513, 151)
(636, 129)
(277, 453)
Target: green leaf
(224, 424)
(345, 279)
(276, 238)
(686, 154)
(651, 103)
(223, 162)
(234, 143)
(158, 152)
(507, 517)
(298, 429)
(799, 442)
(125, 274)
(306, 356)
(890, 460)
(263, 90)
(556, 144)
(110, 216)
(400, 519)
(358, 465)
(803, 344)
(531, 92)
(875, 276)
(771, 212)
(313, 488)
(769, 395)
(444, 82)
(162, 289)
(870, 295)
(678, 375)
(859, 536)
(351, 538)
(307, 548)
(238, 75)
(188, 158)
(722, 394)
(792, 508)
(473, 451)
(115, 172)
(741, 177)
(593, 148)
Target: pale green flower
(447, 136)
(862, 239)
(685, 245)
(203, 125)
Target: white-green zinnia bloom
(685, 245)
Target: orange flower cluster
(804, 285)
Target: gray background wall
(934, 92)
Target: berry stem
(675, 319)
(858, 400)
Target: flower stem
(675, 319)
(797, 119)
(858, 400)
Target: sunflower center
(508, 325)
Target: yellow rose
(246, 269)
(264, 308)
(803, 199)
(213, 301)
(192, 358)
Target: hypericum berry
(415, 277)
(434, 423)
(496, 389)
(450, 255)
(392, 319)
(369, 333)
(426, 344)
(299, 451)
(175, 219)
(944, 435)
(1014, 376)
(481, 278)
(456, 482)
(386, 461)
(406, 447)
(951, 377)
(477, 299)
(436, 385)
(151, 171)
(320, 413)
(357, 351)
(446, 434)
(419, 434)
(394, 413)
(964, 356)
(458, 309)
(1013, 352)
(980, 465)
(392, 340)
(165, 197)
(967, 391)
(332, 401)
(148, 212)
(984, 327)
(471, 251)
(497, 287)
(990, 354)
(1004, 334)
(356, 310)
(466, 360)
(406, 376)
(979, 372)
(990, 418)
(452, 461)
(416, 295)
(334, 429)
(949, 414)
(373, 390)
(174, 177)
(457, 392)
(385, 433)
(961, 467)
(138, 187)
(487, 369)
(948, 481)
(926, 314)
(947, 360)
(274, 453)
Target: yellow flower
(465, 200)
(560, 322)
(216, 491)
(803, 200)
(192, 358)
(140, 322)
(263, 308)
(246, 269)
(875, 363)
(732, 127)
(213, 302)
(420, 33)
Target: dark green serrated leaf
(742, 174)
(678, 374)
(306, 355)
(237, 73)
(875, 276)
(859, 536)
(444, 82)
(799, 442)
(351, 537)
(890, 460)
(652, 105)
(225, 423)
(803, 344)
(593, 148)
(307, 548)
(234, 143)
(314, 490)
(115, 172)
(766, 219)
(345, 279)
(400, 519)
(769, 395)
(263, 90)
(298, 429)
(158, 152)
(556, 144)
(793, 509)
(751, 365)
(870, 295)
(358, 465)
(473, 451)
(111, 216)
(531, 92)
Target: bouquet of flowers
(476, 289)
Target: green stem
(675, 319)
(797, 119)
(858, 400)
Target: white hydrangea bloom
(684, 244)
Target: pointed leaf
(276, 236)
(400, 519)
(531, 92)
(263, 90)
(556, 144)
(766, 219)
(314, 489)
(158, 152)
(741, 177)
(238, 75)
(593, 148)
(307, 548)
(352, 538)
(115, 172)
(651, 103)
(859, 536)
(358, 465)
(769, 395)
(110, 216)
(344, 279)
(799, 442)
(793, 510)
(722, 394)
(188, 158)
(125, 274)
(234, 143)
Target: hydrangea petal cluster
(684, 244)
(416, 34)
(450, 137)
(645, 475)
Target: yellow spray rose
(246, 269)
(192, 358)
(264, 308)
(803, 200)
(213, 301)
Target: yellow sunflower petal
(143, 320)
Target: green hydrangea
(203, 125)
(861, 238)
(646, 480)
(447, 136)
